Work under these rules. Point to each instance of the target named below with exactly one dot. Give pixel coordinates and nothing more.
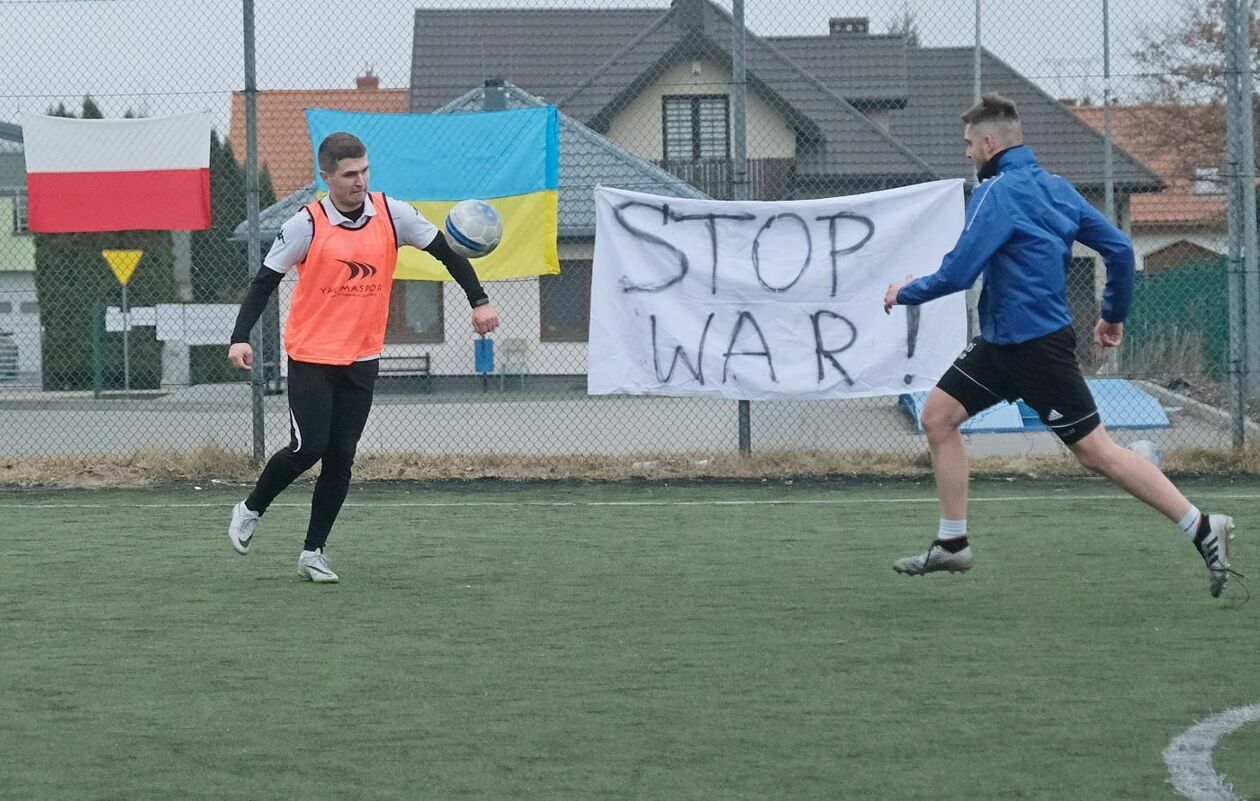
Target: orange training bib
(341, 302)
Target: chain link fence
(1126, 99)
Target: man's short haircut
(999, 115)
(992, 108)
(338, 146)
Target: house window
(565, 301)
(415, 312)
(1207, 181)
(696, 127)
(6, 307)
(19, 213)
(29, 307)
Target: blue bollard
(483, 351)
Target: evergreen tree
(220, 271)
(91, 111)
(220, 268)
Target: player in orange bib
(344, 248)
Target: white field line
(1189, 755)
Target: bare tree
(906, 24)
(1184, 72)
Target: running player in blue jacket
(1020, 225)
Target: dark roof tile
(455, 49)
(941, 89)
(861, 69)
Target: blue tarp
(1120, 403)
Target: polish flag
(117, 175)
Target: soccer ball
(1149, 450)
(473, 228)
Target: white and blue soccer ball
(473, 228)
(1149, 450)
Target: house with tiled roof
(844, 112)
(1183, 223)
(283, 145)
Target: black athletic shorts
(1042, 371)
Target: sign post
(123, 263)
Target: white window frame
(695, 125)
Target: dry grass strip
(214, 464)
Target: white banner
(771, 300)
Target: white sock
(952, 529)
(1190, 521)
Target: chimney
(494, 95)
(841, 26)
(689, 14)
(367, 81)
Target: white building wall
(637, 128)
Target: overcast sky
(171, 56)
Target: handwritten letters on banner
(771, 300)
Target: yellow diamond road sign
(123, 263)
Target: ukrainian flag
(511, 159)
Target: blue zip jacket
(1019, 232)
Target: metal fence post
(977, 89)
(257, 375)
(1247, 178)
(98, 351)
(1109, 162)
(739, 93)
(1237, 61)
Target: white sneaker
(241, 529)
(1214, 548)
(313, 565)
(933, 559)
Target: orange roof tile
(284, 146)
(1177, 204)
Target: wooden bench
(416, 364)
